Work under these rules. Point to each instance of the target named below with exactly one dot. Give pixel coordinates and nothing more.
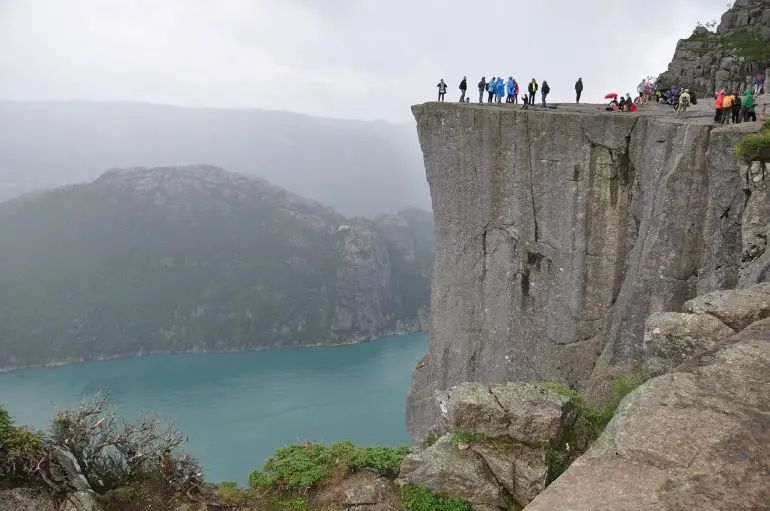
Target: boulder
(671, 338)
(451, 472)
(682, 441)
(71, 467)
(25, 499)
(471, 406)
(536, 415)
(522, 470)
(736, 308)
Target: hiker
(646, 93)
(510, 88)
(532, 89)
(727, 107)
(441, 90)
(545, 89)
(482, 88)
(500, 89)
(629, 101)
(463, 88)
(747, 109)
(515, 91)
(491, 89)
(736, 112)
(640, 90)
(578, 89)
(718, 106)
(684, 104)
(759, 83)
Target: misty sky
(364, 59)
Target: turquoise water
(238, 407)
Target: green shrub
(20, 449)
(417, 498)
(431, 439)
(300, 467)
(464, 437)
(749, 45)
(754, 147)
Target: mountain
(359, 168)
(196, 258)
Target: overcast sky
(364, 59)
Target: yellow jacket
(729, 101)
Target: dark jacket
(532, 88)
(546, 88)
(579, 86)
(482, 85)
(463, 85)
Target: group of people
(732, 107)
(624, 104)
(498, 89)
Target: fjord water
(237, 408)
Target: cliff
(728, 58)
(559, 231)
(199, 259)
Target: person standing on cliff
(727, 107)
(491, 88)
(515, 91)
(545, 89)
(441, 89)
(482, 88)
(532, 89)
(736, 112)
(718, 104)
(747, 110)
(578, 89)
(463, 88)
(684, 104)
(500, 89)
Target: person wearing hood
(463, 88)
(748, 106)
(500, 89)
(544, 90)
(727, 107)
(441, 90)
(718, 104)
(684, 103)
(482, 88)
(491, 88)
(578, 89)
(532, 89)
(510, 87)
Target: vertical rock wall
(559, 232)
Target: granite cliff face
(559, 232)
(728, 58)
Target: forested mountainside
(197, 258)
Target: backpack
(685, 100)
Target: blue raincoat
(491, 85)
(500, 87)
(511, 86)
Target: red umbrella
(611, 95)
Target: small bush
(23, 452)
(431, 439)
(300, 467)
(754, 147)
(417, 498)
(464, 437)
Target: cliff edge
(559, 231)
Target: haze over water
(237, 408)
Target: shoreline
(333, 344)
